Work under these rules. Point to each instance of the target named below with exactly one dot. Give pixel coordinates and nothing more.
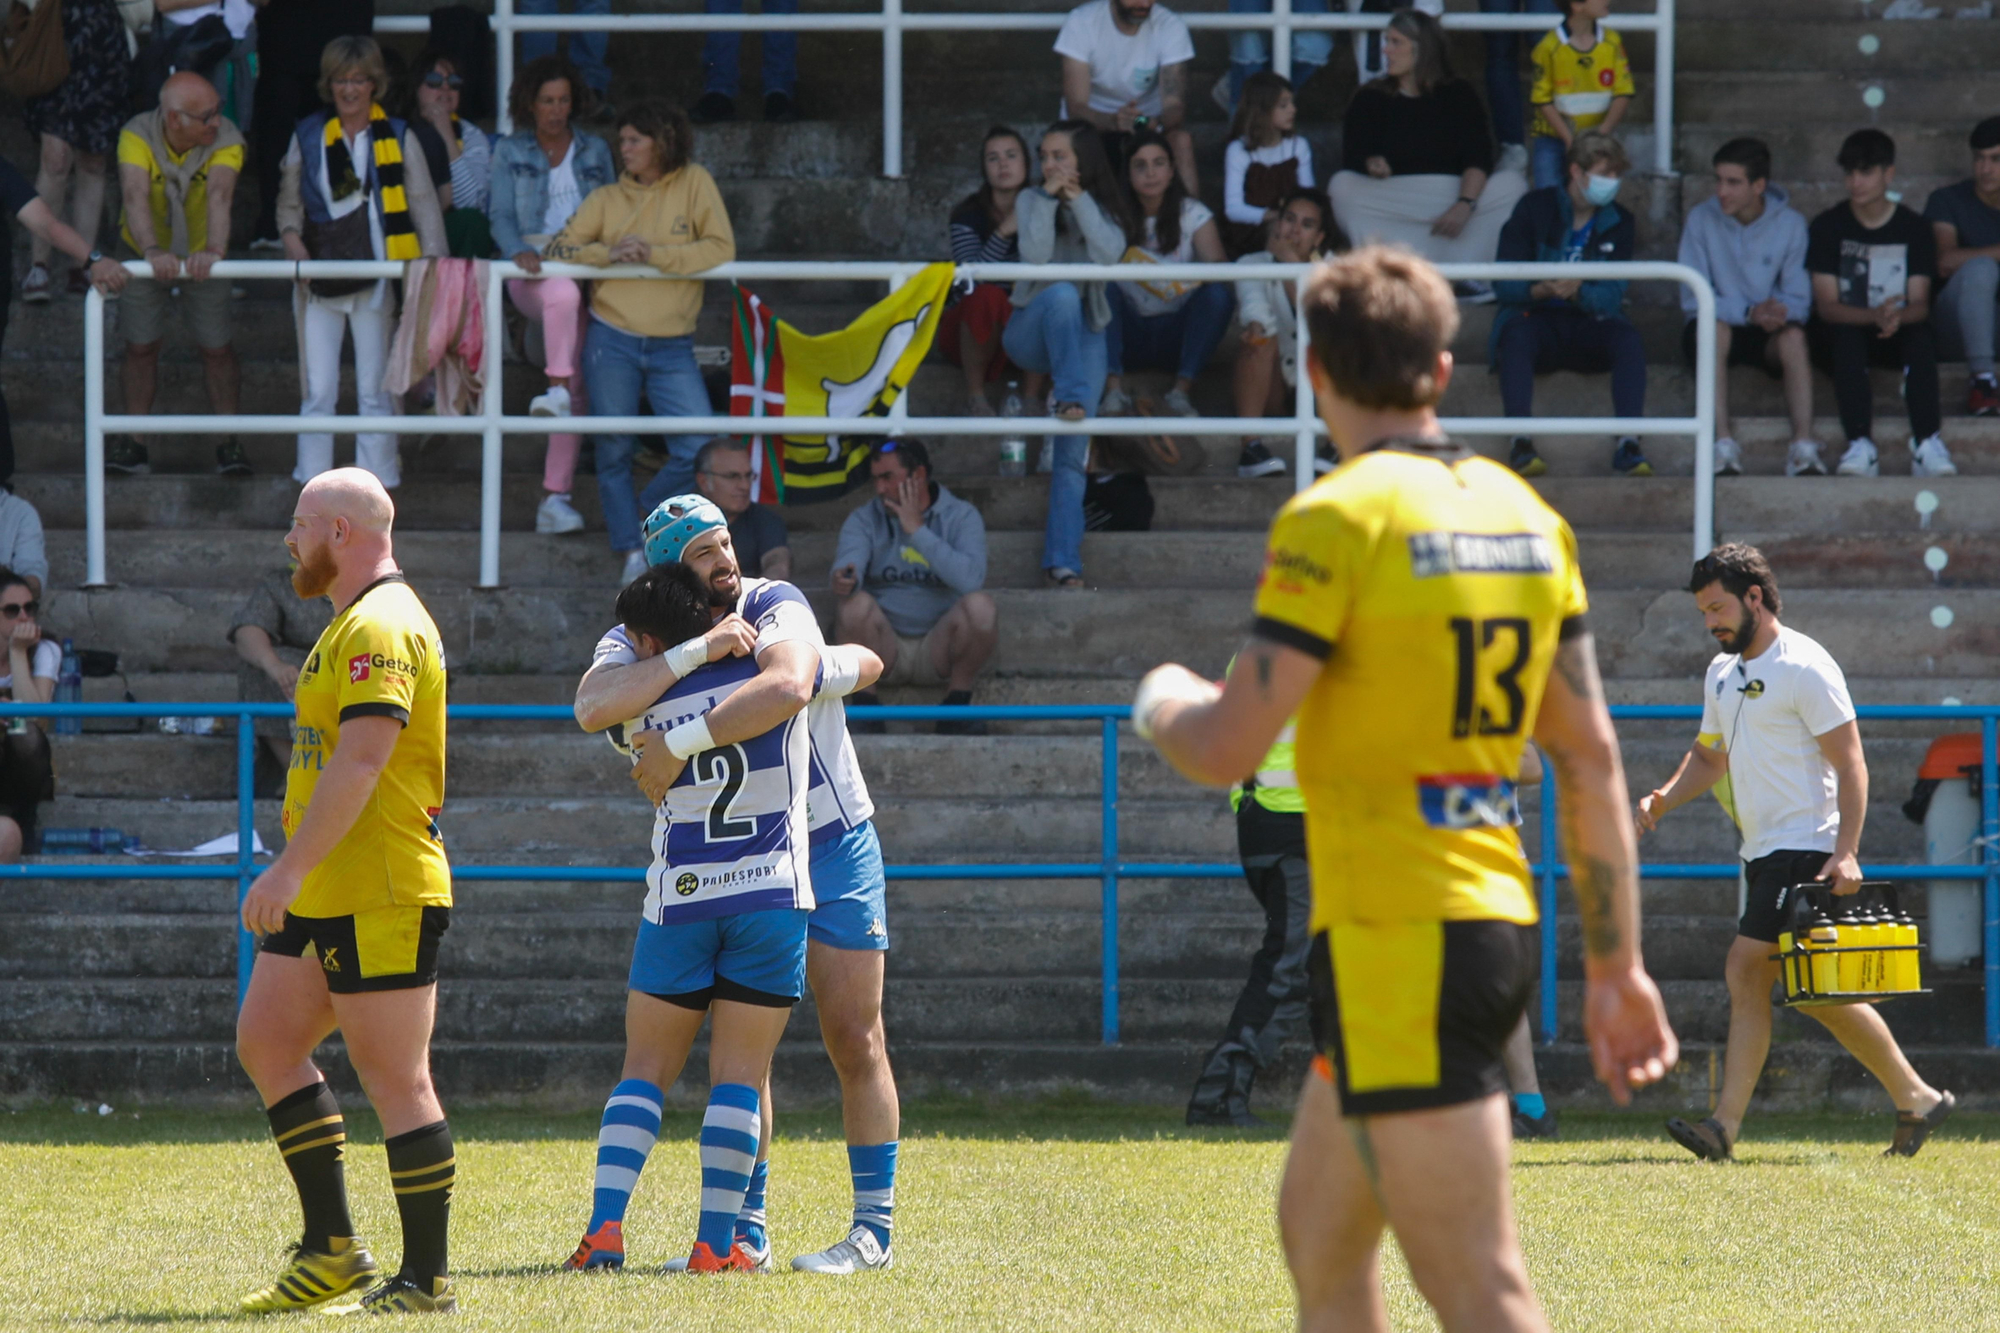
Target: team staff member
(1420, 611)
(1799, 792)
(352, 911)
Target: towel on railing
(442, 332)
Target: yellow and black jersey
(1434, 585)
(381, 657)
(1579, 84)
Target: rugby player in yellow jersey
(1422, 613)
(352, 911)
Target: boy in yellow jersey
(1421, 613)
(1583, 81)
(352, 912)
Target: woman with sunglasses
(32, 663)
(463, 145)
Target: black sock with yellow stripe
(313, 1138)
(421, 1170)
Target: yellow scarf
(399, 234)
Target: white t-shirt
(46, 662)
(1161, 297)
(1236, 160)
(238, 14)
(1770, 712)
(1124, 69)
(565, 195)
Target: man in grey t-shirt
(1966, 218)
(908, 570)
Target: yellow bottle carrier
(1860, 949)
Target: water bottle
(69, 689)
(1014, 445)
(81, 841)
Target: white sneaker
(1115, 403)
(556, 516)
(858, 1253)
(1513, 157)
(635, 565)
(1932, 459)
(679, 1264)
(554, 403)
(1728, 458)
(1803, 460)
(1859, 460)
(1177, 403)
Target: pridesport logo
(1467, 800)
(357, 668)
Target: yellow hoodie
(682, 216)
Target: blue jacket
(1537, 234)
(519, 202)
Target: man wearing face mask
(1798, 792)
(1572, 324)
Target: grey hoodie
(915, 576)
(1748, 265)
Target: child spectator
(1124, 68)
(1751, 246)
(1873, 264)
(1163, 325)
(1267, 358)
(1570, 323)
(1582, 82)
(985, 231)
(1966, 221)
(1265, 161)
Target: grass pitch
(1057, 1216)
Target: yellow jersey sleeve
(1306, 591)
(231, 157)
(379, 662)
(132, 151)
(1621, 82)
(1544, 59)
(1575, 601)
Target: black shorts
(1416, 1015)
(386, 948)
(1749, 345)
(1767, 907)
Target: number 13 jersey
(1434, 585)
(731, 836)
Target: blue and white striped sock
(751, 1225)
(728, 1155)
(630, 1128)
(874, 1170)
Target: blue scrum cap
(678, 521)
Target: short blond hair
(1379, 318)
(1595, 148)
(345, 53)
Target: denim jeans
(1548, 162)
(1546, 339)
(719, 70)
(1250, 52)
(617, 367)
(586, 49)
(1051, 335)
(1965, 315)
(1181, 340)
(1503, 68)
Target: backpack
(32, 57)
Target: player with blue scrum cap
(772, 622)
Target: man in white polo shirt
(1798, 791)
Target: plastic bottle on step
(1013, 445)
(81, 841)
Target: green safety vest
(1275, 785)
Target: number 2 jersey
(1434, 584)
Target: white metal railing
(893, 21)
(492, 425)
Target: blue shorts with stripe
(757, 957)
(852, 893)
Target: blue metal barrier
(1109, 869)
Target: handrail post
(1551, 861)
(93, 439)
(1705, 371)
(1110, 852)
(503, 63)
(1989, 857)
(1281, 38)
(892, 89)
(1663, 88)
(490, 407)
(1305, 412)
(246, 843)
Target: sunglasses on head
(13, 610)
(437, 79)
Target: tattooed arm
(1630, 1042)
(1217, 736)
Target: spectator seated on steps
(1874, 271)
(273, 631)
(722, 473)
(1159, 324)
(459, 147)
(1583, 82)
(1571, 323)
(984, 230)
(1751, 246)
(1265, 161)
(908, 569)
(178, 165)
(1124, 68)
(542, 173)
(1417, 156)
(1267, 356)
(1966, 220)
(27, 775)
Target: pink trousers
(558, 304)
